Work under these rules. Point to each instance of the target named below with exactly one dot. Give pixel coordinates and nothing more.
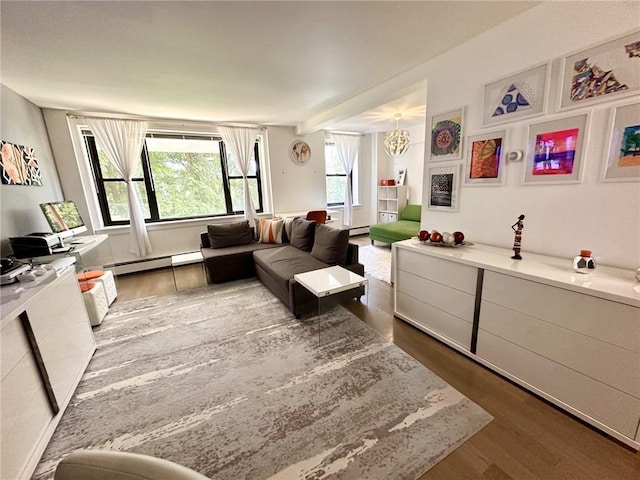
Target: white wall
(560, 219)
(22, 124)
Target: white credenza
(573, 339)
(391, 200)
(47, 343)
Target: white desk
(90, 255)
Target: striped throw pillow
(271, 230)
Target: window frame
(349, 177)
(99, 181)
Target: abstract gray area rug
(376, 261)
(224, 380)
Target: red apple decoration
(458, 237)
(436, 237)
(423, 235)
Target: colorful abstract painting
(18, 165)
(612, 68)
(446, 135)
(629, 153)
(520, 95)
(623, 159)
(516, 98)
(555, 150)
(485, 158)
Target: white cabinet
(391, 200)
(572, 339)
(436, 296)
(47, 343)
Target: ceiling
(309, 64)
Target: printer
(37, 245)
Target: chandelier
(396, 142)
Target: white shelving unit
(391, 200)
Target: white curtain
(347, 148)
(240, 142)
(122, 142)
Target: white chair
(106, 465)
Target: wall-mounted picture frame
(444, 183)
(485, 159)
(299, 152)
(18, 165)
(622, 159)
(555, 150)
(447, 130)
(602, 72)
(517, 96)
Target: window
(179, 177)
(336, 177)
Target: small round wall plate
(299, 152)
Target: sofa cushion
(229, 234)
(271, 230)
(330, 245)
(411, 212)
(288, 225)
(302, 233)
(284, 262)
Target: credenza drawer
(602, 361)
(611, 322)
(451, 274)
(575, 391)
(435, 320)
(451, 300)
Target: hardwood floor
(528, 439)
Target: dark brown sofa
(307, 247)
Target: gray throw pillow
(330, 245)
(230, 234)
(302, 234)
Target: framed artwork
(443, 188)
(446, 135)
(485, 159)
(18, 165)
(518, 96)
(622, 162)
(554, 150)
(402, 173)
(299, 152)
(602, 72)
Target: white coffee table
(186, 259)
(331, 282)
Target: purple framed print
(554, 150)
(18, 165)
(622, 162)
(602, 72)
(520, 95)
